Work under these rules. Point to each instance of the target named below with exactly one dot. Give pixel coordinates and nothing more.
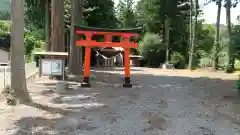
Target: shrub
(135, 51)
(31, 43)
(5, 27)
(229, 69)
(178, 60)
(5, 41)
(152, 49)
(38, 33)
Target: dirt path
(160, 103)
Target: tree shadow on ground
(107, 87)
(116, 69)
(71, 120)
(40, 126)
(53, 110)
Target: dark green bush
(152, 49)
(31, 43)
(229, 69)
(178, 60)
(135, 51)
(5, 41)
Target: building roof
(52, 53)
(130, 30)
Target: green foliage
(96, 12)
(30, 43)
(236, 44)
(100, 13)
(204, 45)
(178, 60)
(5, 41)
(152, 49)
(126, 15)
(237, 65)
(35, 12)
(229, 69)
(152, 13)
(224, 40)
(135, 51)
(4, 15)
(5, 27)
(31, 39)
(205, 39)
(5, 35)
(67, 13)
(38, 33)
(148, 15)
(236, 39)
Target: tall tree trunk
(216, 45)
(49, 25)
(75, 61)
(57, 26)
(166, 37)
(230, 66)
(47, 43)
(192, 37)
(18, 77)
(195, 32)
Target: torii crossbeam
(88, 43)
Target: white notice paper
(52, 67)
(57, 67)
(46, 67)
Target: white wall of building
(4, 56)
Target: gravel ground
(162, 102)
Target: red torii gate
(125, 34)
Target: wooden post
(87, 60)
(127, 83)
(40, 67)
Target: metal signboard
(52, 67)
